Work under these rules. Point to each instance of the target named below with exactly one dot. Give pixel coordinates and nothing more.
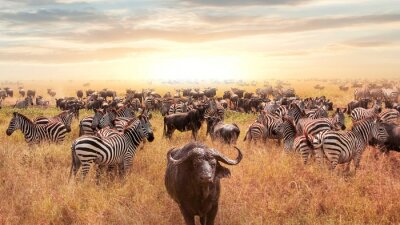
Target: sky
(198, 39)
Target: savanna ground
(267, 187)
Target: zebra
(36, 133)
(255, 132)
(24, 104)
(391, 95)
(281, 111)
(319, 112)
(266, 126)
(109, 151)
(389, 116)
(111, 119)
(361, 113)
(64, 117)
(343, 147)
(178, 108)
(312, 127)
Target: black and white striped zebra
(36, 133)
(389, 116)
(178, 108)
(116, 150)
(281, 111)
(110, 119)
(266, 126)
(319, 112)
(314, 126)
(255, 132)
(391, 94)
(343, 147)
(361, 113)
(64, 117)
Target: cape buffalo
(192, 179)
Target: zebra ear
(14, 113)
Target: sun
(196, 67)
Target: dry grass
(267, 187)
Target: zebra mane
(22, 116)
(129, 124)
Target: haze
(211, 39)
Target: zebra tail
(308, 141)
(74, 161)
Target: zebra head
(378, 106)
(339, 119)
(379, 132)
(14, 124)
(98, 115)
(145, 126)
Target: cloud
(245, 2)
(54, 16)
(213, 33)
(62, 56)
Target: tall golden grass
(267, 187)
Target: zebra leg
(85, 168)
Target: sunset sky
(203, 39)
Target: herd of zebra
(112, 135)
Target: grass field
(267, 187)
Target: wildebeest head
(98, 115)
(205, 163)
(340, 118)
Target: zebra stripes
(317, 113)
(361, 113)
(309, 126)
(266, 126)
(343, 147)
(36, 133)
(118, 149)
(64, 117)
(389, 116)
(179, 108)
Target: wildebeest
(31, 93)
(79, 94)
(24, 104)
(9, 91)
(183, 122)
(363, 103)
(228, 133)
(21, 92)
(51, 92)
(393, 141)
(192, 179)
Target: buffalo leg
(189, 219)
(209, 220)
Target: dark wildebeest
(9, 91)
(192, 179)
(227, 133)
(21, 92)
(183, 122)
(210, 92)
(363, 103)
(79, 94)
(393, 141)
(31, 93)
(51, 92)
(24, 104)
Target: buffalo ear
(222, 172)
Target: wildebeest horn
(220, 157)
(181, 160)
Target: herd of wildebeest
(311, 126)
